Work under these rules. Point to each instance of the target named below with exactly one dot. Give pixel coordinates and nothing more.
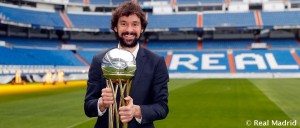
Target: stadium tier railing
(172, 44)
(40, 69)
(233, 76)
(282, 43)
(37, 73)
(31, 42)
(227, 44)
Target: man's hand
(129, 111)
(107, 99)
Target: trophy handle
(113, 109)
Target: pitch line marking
(76, 124)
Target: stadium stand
(225, 37)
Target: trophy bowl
(118, 63)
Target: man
(148, 98)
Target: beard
(128, 43)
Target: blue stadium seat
(172, 21)
(118, 2)
(92, 2)
(88, 55)
(101, 2)
(45, 18)
(298, 52)
(12, 57)
(77, 1)
(280, 18)
(141, 1)
(90, 21)
(229, 19)
(53, 57)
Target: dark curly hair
(126, 9)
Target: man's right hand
(107, 99)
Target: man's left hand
(129, 111)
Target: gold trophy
(118, 66)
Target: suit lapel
(140, 61)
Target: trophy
(118, 66)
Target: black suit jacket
(149, 89)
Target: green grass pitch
(193, 103)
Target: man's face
(129, 30)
